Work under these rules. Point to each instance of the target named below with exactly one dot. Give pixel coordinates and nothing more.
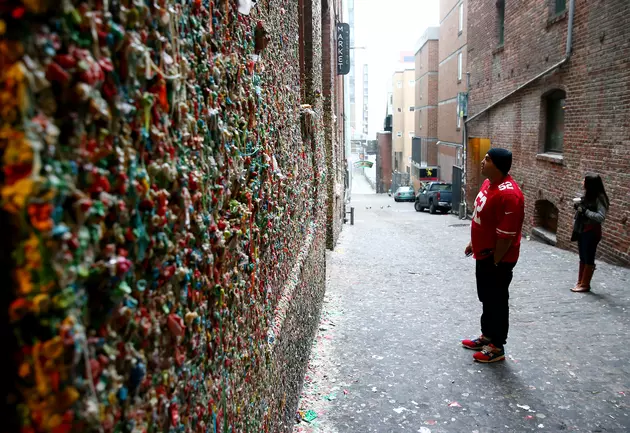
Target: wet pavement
(401, 296)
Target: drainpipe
(570, 29)
(463, 206)
(557, 65)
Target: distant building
(352, 74)
(365, 100)
(403, 131)
(453, 53)
(384, 162)
(424, 152)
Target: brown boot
(585, 284)
(580, 274)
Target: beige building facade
(403, 128)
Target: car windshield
(442, 187)
(405, 189)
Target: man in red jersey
(499, 211)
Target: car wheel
(396, 200)
(417, 207)
(432, 209)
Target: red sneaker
(490, 353)
(476, 344)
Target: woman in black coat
(590, 213)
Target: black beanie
(501, 158)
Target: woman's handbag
(578, 226)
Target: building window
(411, 134)
(400, 110)
(399, 84)
(460, 66)
(412, 108)
(561, 6)
(399, 134)
(461, 17)
(501, 20)
(554, 120)
(459, 119)
(412, 83)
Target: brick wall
(450, 85)
(434, 55)
(426, 119)
(450, 38)
(446, 7)
(385, 153)
(452, 43)
(597, 113)
(447, 128)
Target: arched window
(554, 104)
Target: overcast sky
(386, 27)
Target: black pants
(493, 284)
(587, 245)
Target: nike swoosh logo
(507, 213)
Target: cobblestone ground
(401, 296)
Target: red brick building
(426, 109)
(384, 162)
(440, 76)
(550, 80)
(452, 59)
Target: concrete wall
(166, 214)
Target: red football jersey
(499, 213)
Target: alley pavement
(400, 297)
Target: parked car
(435, 196)
(405, 193)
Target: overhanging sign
(363, 164)
(343, 48)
